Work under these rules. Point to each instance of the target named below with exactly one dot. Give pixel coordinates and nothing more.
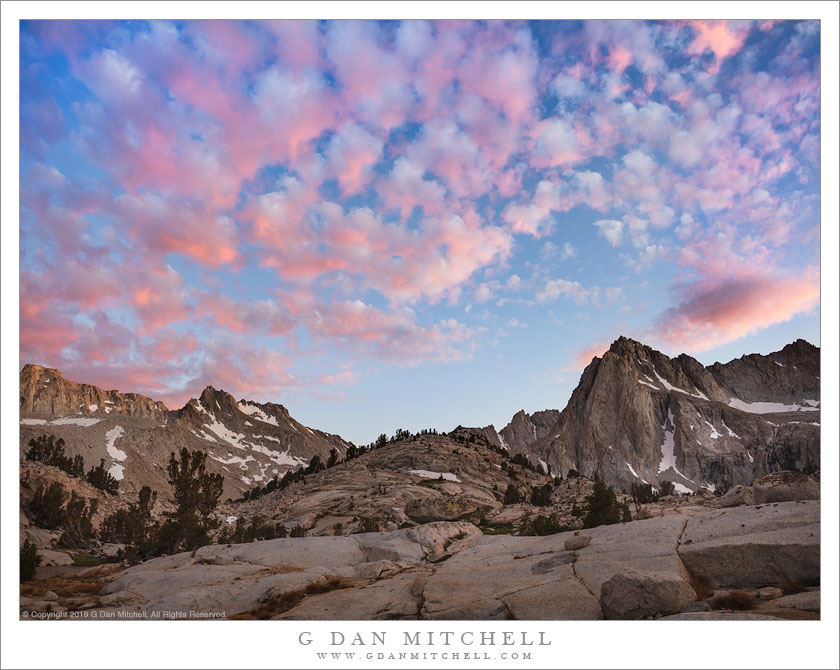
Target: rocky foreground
(748, 561)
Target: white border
(273, 645)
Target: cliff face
(638, 415)
(44, 391)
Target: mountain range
(636, 416)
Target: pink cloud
(162, 225)
(714, 311)
(720, 37)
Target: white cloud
(611, 229)
(483, 293)
(556, 288)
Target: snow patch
(772, 407)
(708, 487)
(33, 422)
(231, 460)
(223, 432)
(679, 488)
(715, 435)
(231, 519)
(647, 384)
(668, 387)
(669, 459)
(74, 421)
(729, 430)
(93, 408)
(279, 457)
(749, 455)
(545, 465)
(502, 441)
(633, 472)
(779, 364)
(428, 474)
(257, 413)
(116, 471)
(110, 438)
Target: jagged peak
(625, 346)
(800, 345)
(32, 368)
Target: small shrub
(577, 511)
(666, 488)
(545, 525)
(702, 587)
(541, 495)
(29, 561)
(298, 531)
(643, 494)
(573, 474)
(286, 601)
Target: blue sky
(412, 224)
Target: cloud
(556, 288)
(611, 230)
(263, 184)
(713, 312)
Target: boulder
(807, 600)
(783, 487)
(49, 557)
(577, 542)
(636, 595)
(439, 508)
(50, 596)
(40, 537)
(737, 495)
(755, 546)
(386, 599)
(769, 593)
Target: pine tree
(29, 560)
(102, 479)
(512, 495)
(196, 494)
(602, 507)
(47, 506)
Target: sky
(411, 224)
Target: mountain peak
(625, 345)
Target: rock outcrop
(45, 392)
(449, 570)
(639, 416)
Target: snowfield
(428, 474)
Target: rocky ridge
(246, 442)
(639, 416)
